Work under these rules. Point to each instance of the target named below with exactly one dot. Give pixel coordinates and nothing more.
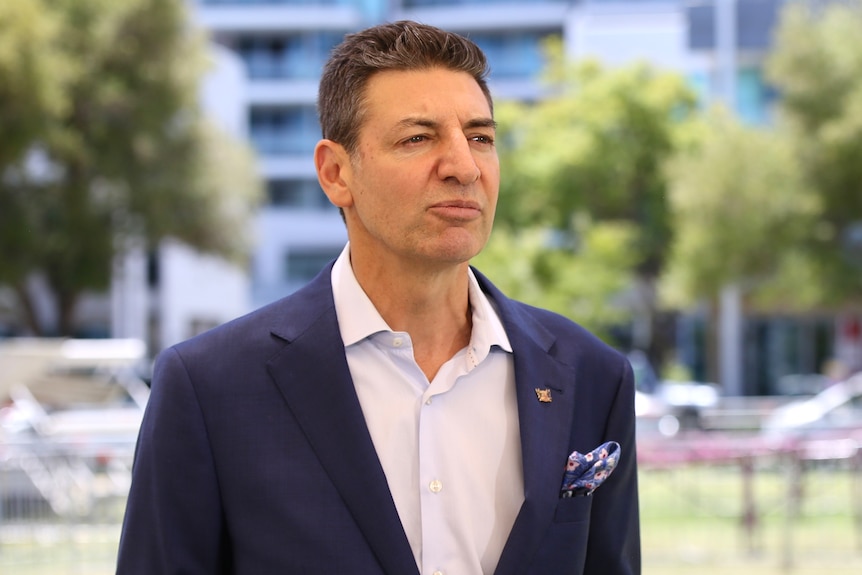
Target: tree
(585, 281)
(742, 216)
(816, 66)
(124, 151)
(32, 71)
(597, 144)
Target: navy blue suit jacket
(254, 457)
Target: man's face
(425, 175)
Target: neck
(431, 305)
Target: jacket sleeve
(173, 522)
(614, 538)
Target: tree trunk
(66, 303)
(28, 309)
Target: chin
(458, 254)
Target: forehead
(392, 94)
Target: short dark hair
(402, 45)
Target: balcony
(221, 16)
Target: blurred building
(270, 55)
(284, 43)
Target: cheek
(490, 169)
(492, 186)
(378, 202)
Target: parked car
(669, 406)
(654, 416)
(836, 409)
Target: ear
(332, 163)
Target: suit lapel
(313, 376)
(545, 429)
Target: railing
(710, 504)
(61, 506)
(763, 504)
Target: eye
(482, 139)
(418, 139)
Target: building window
(426, 3)
(284, 130)
(754, 97)
(755, 21)
(297, 194)
(277, 2)
(302, 264)
(513, 54)
(299, 56)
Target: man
(399, 414)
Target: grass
(706, 520)
(59, 549)
(692, 521)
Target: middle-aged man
(399, 414)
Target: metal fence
(61, 506)
(722, 503)
(710, 504)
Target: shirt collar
(359, 319)
(357, 316)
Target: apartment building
(282, 45)
(274, 50)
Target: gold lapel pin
(544, 395)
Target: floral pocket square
(585, 472)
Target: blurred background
(683, 177)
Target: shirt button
(428, 401)
(437, 573)
(435, 486)
(397, 342)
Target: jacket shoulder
(269, 326)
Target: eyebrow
(433, 124)
(481, 123)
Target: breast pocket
(573, 509)
(564, 544)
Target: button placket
(431, 484)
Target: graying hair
(403, 45)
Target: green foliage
(817, 67)
(741, 213)
(598, 144)
(771, 210)
(32, 73)
(583, 281)
(125, 151)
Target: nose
(457, 161)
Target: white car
(836, 409)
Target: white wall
(197, 292)
(628, 32)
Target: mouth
(463, 210)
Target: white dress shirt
(450, 448)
